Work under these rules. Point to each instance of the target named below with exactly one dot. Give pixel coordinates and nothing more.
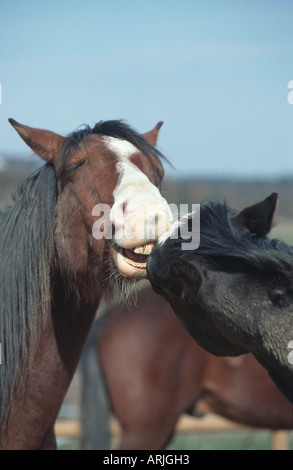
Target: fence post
(280, 440)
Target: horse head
(234, 294)
(108, 199)
(196, 281)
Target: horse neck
(279, 371)
(54, 357)
(58, 346)
(73, 313)
(271, 349)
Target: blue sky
(216, 72)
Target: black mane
(218, 238)
(114, 128)
(26, 257)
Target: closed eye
(76, 166)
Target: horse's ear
(44, 143)
(258, 218)
(152, 136)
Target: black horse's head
(223, 290)
(234, 294)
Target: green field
(236, 440)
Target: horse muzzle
(136, 235)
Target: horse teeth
(139, 250)
(148, 248)
(144, 249)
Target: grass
(240, 440)
(227, 440)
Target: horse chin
(131, 262)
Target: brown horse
(154, 371)
(56, 257)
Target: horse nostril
(122, 208)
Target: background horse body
(154, 371)
(53, 270)
(234, 294)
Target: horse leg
(152, 433)
(139, 441)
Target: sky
(215, 71)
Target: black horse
(234, 294)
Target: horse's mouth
(132, 261)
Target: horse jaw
(131, 262)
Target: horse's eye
(76, 166)
(278, 296)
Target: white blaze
(139, 212)
(122, 148)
